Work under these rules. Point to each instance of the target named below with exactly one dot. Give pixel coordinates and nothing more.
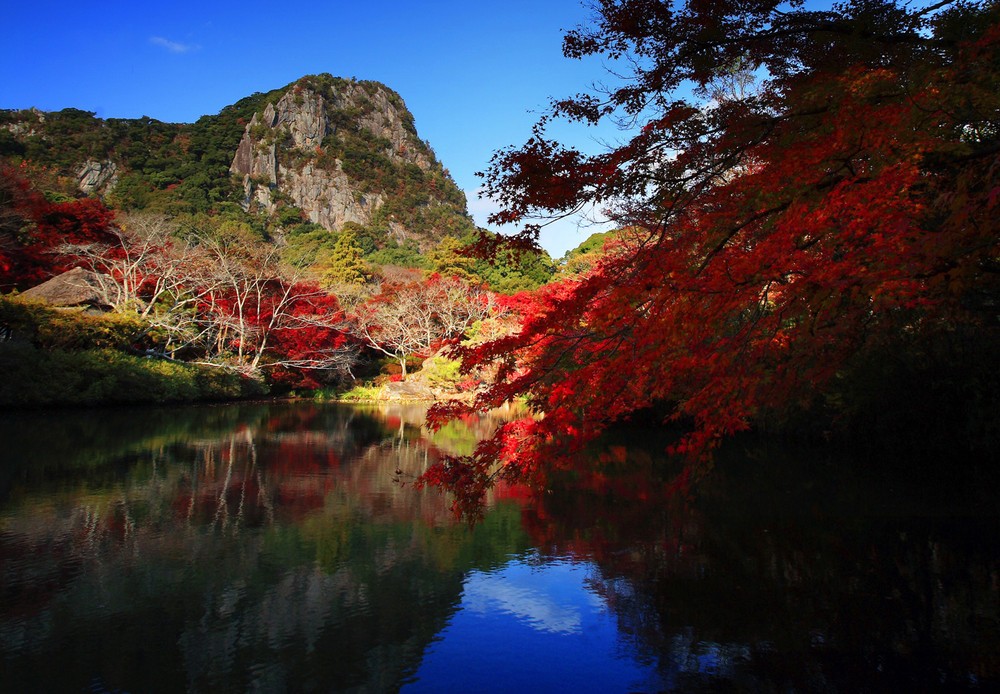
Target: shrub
(443, 372)
(101, 376)
(360, 392)
(68, 329)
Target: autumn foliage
(828, 191)
(31, 228)
(221, 299)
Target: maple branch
(736, 230)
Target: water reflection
(533, 625)
(254, 547)
(267, 547)
(781, 575)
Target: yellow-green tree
(447, 260)
(344, 264)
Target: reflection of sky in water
(547, 598)
(532, 627)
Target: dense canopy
(802, 194)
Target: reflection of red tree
(25, 593)
(624, 487)
(758, 565)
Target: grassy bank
(35, 377)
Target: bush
(67, 329)
(101, 376)
(442, 372)
(362, 392)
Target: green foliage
(306, 242)
(447, 260)
(593, 244)
(442, 372)
(510, 271)
(10, 146)
(163, 167)
(233, 225)
(361, 392)
(343, 264)
(132, 192)
(289, 215)
(369, 238)
(99, 376)
(68, 329)
(400, 256)
(67, 356)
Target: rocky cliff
(345, 151)
(339, 150)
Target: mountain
(320, 151)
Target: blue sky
(475, 75)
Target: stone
(96, 176)
(403, 391)
(76, 287)
(328, 197)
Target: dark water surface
(271, 548)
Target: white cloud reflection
(538, 598)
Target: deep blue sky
(474, 74)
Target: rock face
(290, 151)
(419, 387)
(406, 391)
(95, 176)
(339, 151)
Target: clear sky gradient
(474, 74)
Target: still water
(280, 547)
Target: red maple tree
(32, 230)
(829, 188)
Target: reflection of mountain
(275, 553)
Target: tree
(509, 271)
(407, 318)
(776, 231)
(344, 264)
(32, 229)
(138, 259)
(447, 260)
(247, 306)
(17, 257)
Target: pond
(281, 547)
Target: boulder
(406, 391)
(77, 287)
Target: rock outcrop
(97, 176)
(422, 386)
(289, 151)
(76, 287)
(407, 391)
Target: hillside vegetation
(407, 210)
(301, 238)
